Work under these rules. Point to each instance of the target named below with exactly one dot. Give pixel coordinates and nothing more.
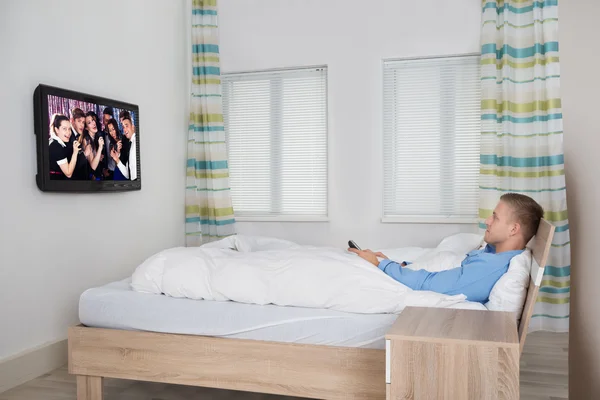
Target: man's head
(128, 128)
(78, 120)
(107, 114)
(514, 222)
(124, 114)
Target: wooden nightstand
(442, 353)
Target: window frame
(292, 218)
(412, 219)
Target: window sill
(283, 218)
(428, 220)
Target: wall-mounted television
(85, 143)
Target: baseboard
(31, 364)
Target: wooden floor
(544, 376)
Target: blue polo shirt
(475, 277)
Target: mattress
(117, 306)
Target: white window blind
(431, 136)
(276, 130)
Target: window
(276, 130)
(431, 136)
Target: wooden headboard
(540, 246)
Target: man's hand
(368, 255)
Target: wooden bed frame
(314, 371)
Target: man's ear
(515, 229)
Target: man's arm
(414, 279)
(411, 278)
(475, 278)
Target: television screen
(85, 142)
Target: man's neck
(508, 246)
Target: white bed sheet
(117, 306)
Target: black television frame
(41, 130)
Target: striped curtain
(522, 132)
(208, 209)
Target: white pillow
(509, 293)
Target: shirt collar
(54, 138)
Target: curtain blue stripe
(520, 10)
(519, 52)
(546, 289)
(205, 48)
(562, 228)
(537, 78)
(550, 316)
(198, 71)
(521, 162)
(204, 128)
(199, 165)
(522, 120)
(559, 272)
(197, 11)
(210, 221)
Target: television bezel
(41, 130)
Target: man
(107, 114)
(511, 226)
(129, 171)
(82, 168)
(77, 123)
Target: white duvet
(260, 270)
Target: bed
(291, 351)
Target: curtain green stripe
(519, 65)
(206, 81)
(205, 118)
(203, 58)
(556, 284)
(205, 212)
(522, 190)
(207, 175)
(552, 216)
(545, 105)
(552, 300)
(204, 142)
(522, 174)
(204, 3)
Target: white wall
(580, 58)
(351, 38)
(54, 246)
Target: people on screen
(85, 147)
(114, 142)
(93, 144)
(127, 166)
(63, 158)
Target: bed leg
(89, 387)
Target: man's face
(499, 224)
(78, 124)
(105, 119)
(127, 128)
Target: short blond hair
(526, 211)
